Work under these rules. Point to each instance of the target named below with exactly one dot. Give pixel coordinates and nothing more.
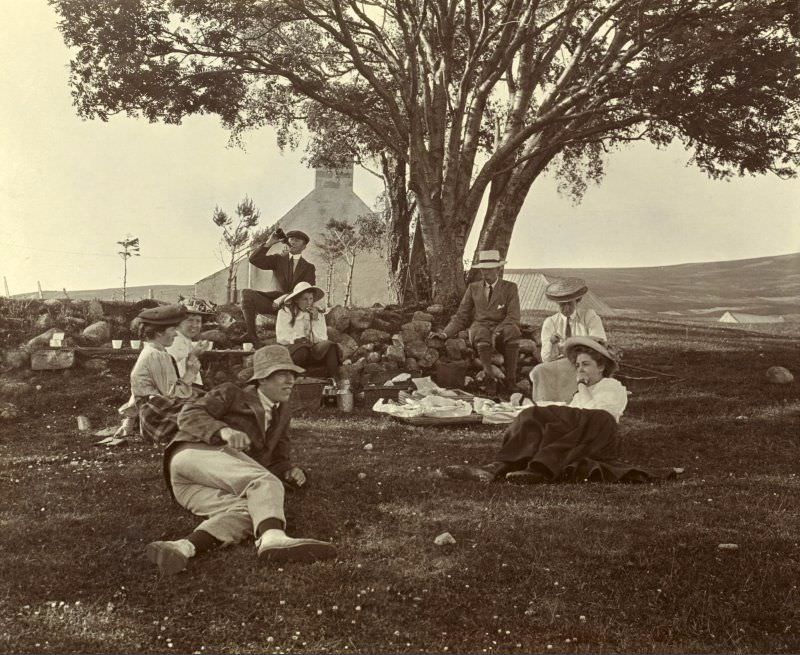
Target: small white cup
(136, 344)
(116, 344)
(247, 346)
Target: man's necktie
(489, 289)
(291, 272)
(568, 331)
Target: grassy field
(562, 568)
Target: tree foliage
(465, 100)
(235, 236)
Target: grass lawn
(562, 568)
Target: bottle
(344, 397)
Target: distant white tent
(738, 317)
(531, 286)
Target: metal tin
(83, 423)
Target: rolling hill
(765, 285)
(167, 292)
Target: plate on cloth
(426, 420)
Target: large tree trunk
(444, 250)
(398, 224)
(507, 194)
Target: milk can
(344, 397)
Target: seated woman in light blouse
(300, 326)
(554, 378)
(555, 441)
(155, 376)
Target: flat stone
(779, 375)
(422, 316)
(338, 317)
(52, 360)
(435, 310)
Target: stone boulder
(395, 353)
(412, 366)
(371, 335)
(430, 358)
(422, 316)
(374, 358)
(456, 348)
(97, 333)
(227, 315)
(44, 321)
(94, 312)
(16, 358)
(338, 317)
(435, 310)
(347, 345)
(415, 331)
(416, 349)
(527, 346)
(385, 326)
(52, 360)
(40, 341)
(74, 323)
(361, 319)
(779, 375)
(217, 337)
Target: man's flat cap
(298, 235)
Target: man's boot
(490, 379)
(511, 357)
(249, 311)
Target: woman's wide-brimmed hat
(489, 259)
(165, 315)
(300, 288)
(566, 289)
(271, 359)
(596, 345)
(197, 306)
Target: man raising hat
(490, 309)
(229, 463)
(288, 268)
(554, 378)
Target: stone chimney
(334, 178)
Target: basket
(307, 394)
(373, 394)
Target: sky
(70, 189)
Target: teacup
(116, 343)
(136, 344)
(247, 346)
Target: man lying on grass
(555, 441)
(229, 462)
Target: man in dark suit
(289, 268)
(229, 463)
(490, 311)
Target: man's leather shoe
(166, 556)
(288, 549)
(526, 477)
(462, 472)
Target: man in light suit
(288, 268)
(229, 463)
(490, 311)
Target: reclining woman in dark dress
(552, 442)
